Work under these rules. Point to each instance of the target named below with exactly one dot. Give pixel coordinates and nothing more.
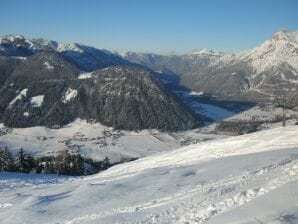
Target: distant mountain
(256, 74)
(176, 64)
(86, 58)
(90, 58)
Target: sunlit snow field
(251, 178)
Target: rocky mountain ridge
(257, 74)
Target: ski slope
(251, 178)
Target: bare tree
(286, 101)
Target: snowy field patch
(49, 66)
(69, 94)
(86, 75)
(37, 101)
(19, 96)
(96, 141)
(214, 112)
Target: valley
(99, 136)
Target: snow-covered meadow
(251, 178)
(97, 141)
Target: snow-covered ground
(69, 94)
(48, 65)
(19, 96)
(37, 101)
(216, 113)
(85, 75)
(263, 113)
(251, 178)
(97, 141)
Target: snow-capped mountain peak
(10, 38)
(69, 47)
(207, 52)
(286, 35)
(17, 40)
(86, 58)
(281, 48)
(45, 43)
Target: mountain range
(43, 82)
(257, 74)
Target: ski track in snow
(228, 194)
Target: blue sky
(159, 26)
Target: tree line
(64, 163)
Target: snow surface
(245, 179)
(69, 47)
(265, 113)
(69, 94)
(48, 65)
(97, 141)
(85, 75)
(214, 112)
(19, 96)
(36, 101)
(20, 58)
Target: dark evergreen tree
(20, 160)
(24, 163)
(6, 160)
(106, 163)
(30, 164)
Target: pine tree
(22, 161)
(6, 160)
(106, 163)
(30, 164)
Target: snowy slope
(246, 179)
(96, 141)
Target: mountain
(256, 74)
(173, 64)
(241, 179)
(90, 58)
(132, 97)
(47, 88)
(87, 58)
(16, 45)
(44, 82)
